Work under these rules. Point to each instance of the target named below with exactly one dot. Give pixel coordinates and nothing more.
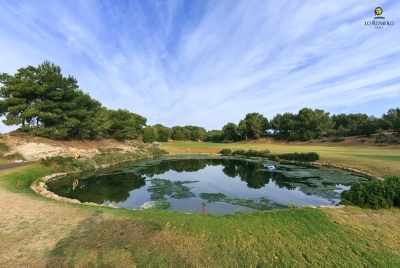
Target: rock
(43, 191)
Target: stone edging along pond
(40, 186)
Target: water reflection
(169, 183)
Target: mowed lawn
(51, 233)
(380, 161)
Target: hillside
(35, 148)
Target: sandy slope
(34, 148)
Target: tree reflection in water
(117, 185)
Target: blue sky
(207, 63)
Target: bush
(373, 194)
(157, 151)
(274, 158)
(252, 153)
(226, 152)
(15, 156)
(3, 148)
(65, 163)
(302, 157)
(337, 139)
(239, 152)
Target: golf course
(37, 231)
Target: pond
(223, 185)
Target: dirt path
(31, 227)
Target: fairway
(373, 159)
(64, 234)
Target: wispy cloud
(207, 63)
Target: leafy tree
(193, 133)
(46, 103)
(150, 134)
(163, 132)
(125, 125)
(355, 124)
(178, 134)
(254, 125)
(284, 125)
(214, 136)
(230, 131)
(390, 120)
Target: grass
(375, 160)
(294, 237)
(26, 175)
(289, 237)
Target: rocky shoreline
(40, 186)
(41, 189)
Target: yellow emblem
(378, 11)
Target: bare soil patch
(35, 148)
(31, 227)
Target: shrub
(373, 194)
(226, 151)
(3, 148)
(337, 139)
(15, 156)
(238, 152)
(65, 163)
(302, 157)
(252, 153)
(275, 158)
(154, 151)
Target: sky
(206, 63)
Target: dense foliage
(374, 194)
(226, 152)
(4, 148)
(47, 104)
(50, 105)
(191, 133)
(301, 157)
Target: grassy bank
(375, 160)
(289, 237)
(119, 237)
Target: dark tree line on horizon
(47, 104)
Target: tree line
(47, 104)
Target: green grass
(26, 175)
(294, 237)
(375, 160)
(287, 237)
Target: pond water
(224, 186)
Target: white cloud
(210, 63)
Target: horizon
(207, 63)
